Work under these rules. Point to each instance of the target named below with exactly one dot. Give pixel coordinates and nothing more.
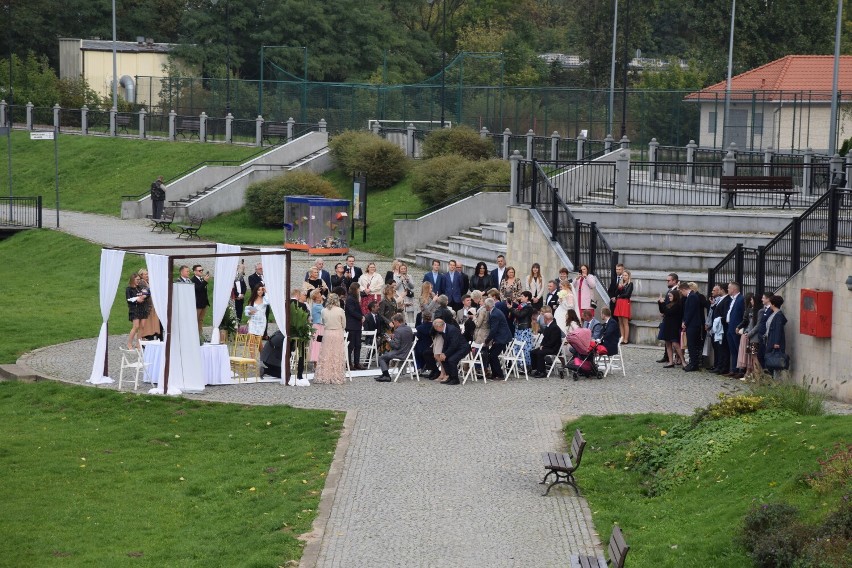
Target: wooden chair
(245, 356)
(563, 466)
(617, 553)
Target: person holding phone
(199, 279)
(256, 310)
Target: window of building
(711, 123)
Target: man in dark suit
(256, 278)
(455, 349)
(239, 292)
(272, 354)
(295, 301)
(352, 271)
(760, 331)
(454, 287)
(734, 317)
(423, 349)
(693, 318)
(200, 279)
(497, 273)
(435, 278)
(400, 345)
(184, 275)
(612, 291)
(672, 283)
(551, 300)
(610, 336)
(323, 273)
(499, 337)
(721, 352)
(373, 321)
(550, 344)
(354, 323)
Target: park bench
(190, 125)
(732, 185)
(617, 553)
(563, 466)
(122, 122)
(165, 223)
(271, 129)
(191, 230)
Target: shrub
(729, 406)
(265, 199)
(463, 141)
(773, 535)
(794, 398)
(431, 178)
(834, 471)
(383, 162)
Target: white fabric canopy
(158, 281)
(111, 264)
(275, 278)
(223, 281)
(185, 369)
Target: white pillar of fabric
(223, 281)
(185, 370)
(158, 280)
(111, 264)
(275, 278)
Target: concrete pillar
(625, 143)
(3, 106)
(506, 134)
(409, 140)
(376, 128)
(729, 168)
(202, 127)
(323, 125)
(172, 119)
(652, 158)
(514, 168)
(554, 146)
(30, 117)
(849, 169)
(142, 114)
(622, 178)
(608, 143)
(229, 128)
(835, 166)
(732, 147)
(291, 122)
(690, 161)
(258, 131)
(530, 139)
(483, 132)
(768, 154)
(581, 146)
(84, 120)
(56, 110)
(113, 112)
(807, 171)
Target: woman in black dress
(339, 278)
(481, 279)
(137, 307)
(672, 309)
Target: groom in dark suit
(454, 287)
(692, 321)
(734, 317)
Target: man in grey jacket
(400, 344)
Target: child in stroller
(584, 350)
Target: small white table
(215, 362)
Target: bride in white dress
(566, 302)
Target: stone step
(475, 248)
(671, 261)
(610, 219)
(495, 232)
(651, 282)
(692, 241)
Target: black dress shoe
(384, 379)
(451, 382)
(665, 359)
(668, 366)
(690, 368)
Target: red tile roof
(809, 76)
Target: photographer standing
(158, 198)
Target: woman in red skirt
(622, 306)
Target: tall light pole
(227, 56)
(728, 83)
(612, 68)
(832, 132)
(624, 86)
(11, 102)
(114, 64)
(443, 55)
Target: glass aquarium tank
(329, 226)
(297, 219)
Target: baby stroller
(583, 364)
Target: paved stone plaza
(431, 475)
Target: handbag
(776, 360)
(409, 293)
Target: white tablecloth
(215, 365)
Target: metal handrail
(451, 200)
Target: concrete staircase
(481, 243)
(653, 242)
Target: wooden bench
(271, 129)
(563, 466)
(732, 185)
(122, 122)
(164, 224)
(191, 230)
(617, 553)
(191, 125)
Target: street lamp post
(227, 56)
(725, 135)
(612, 68)
(832, 132)
(443, 56)
(626, 61)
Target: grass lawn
(99, 478)
(95, 171)
(695, 523)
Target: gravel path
(435, 475)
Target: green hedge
(440, 178)
(265, 199)
(383, 162)
(462, 140)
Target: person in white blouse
(256, 310)
(534, 284)
(566, 302)
(372, 284)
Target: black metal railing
(671, 154)
(825, 225)
(577, 181)
(674, 183)
(20, 212)
(451, 200)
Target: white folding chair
(559, 358)
(346, 355)
(514, 359)
(410, 361)
(537, 340)
(470, 363)
(132, 359)
(612, 362)
(368, 344)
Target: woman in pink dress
(584, 287)
(331, 366)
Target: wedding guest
(137, 309)
(255, 310)
(371, 285)
(331, 363)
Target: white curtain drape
(185, 370)
(275, 278)
(223, 281)
(158, 280)
(111, 264)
